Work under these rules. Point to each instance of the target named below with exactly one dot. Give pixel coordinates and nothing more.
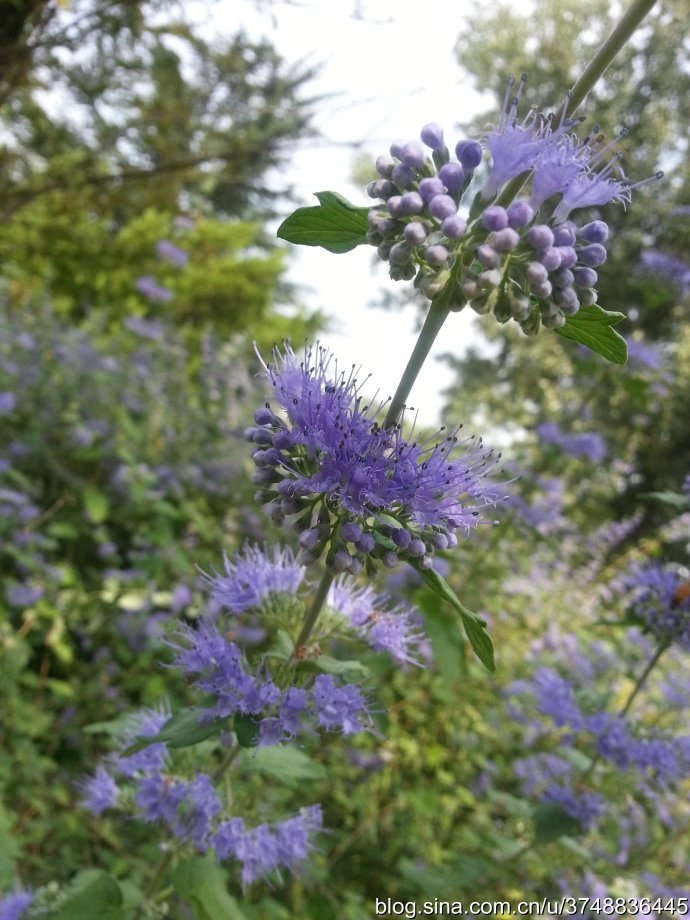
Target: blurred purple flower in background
(150, 288)
(169, 252)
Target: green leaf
(247, 730)
(96, 504)
(181, 730)
(591, 326)
(675, 499)
(287, 764)
(388, 520)
(93, 893)
(334, 224)
(327, 665)
(474, 625)
(202, 884)
(447, 642)
(552, 821)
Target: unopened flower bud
(415, 233)
(550, 258)
(540, 237)
(469, 153)
(384, 166)
(413, 155)
(411, 203)
(536, 273)
(436, 255)
(265, 416)
(532, 324)
(488, 281)
(592, 255)
(442, 206)
(487, 256)
(431, 186)
(453, 177)
(553, 321)
(520, 214)
(542, 290)
(568, 256)
(562, 278)
(567, 301)
(564, 234)
(584, 277)
(366, 543)
(595, 232)
(400, 252)
(588, 297)
(416, 548)
(454, 227)
(389, 559)
(403, 176)
(309, 538)
(351, 532)
(401, 538)
(495, 218)
(505, 240)
(432, 135)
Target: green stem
(435, 319)
(315, 609)
(642, 679)
(630, 20)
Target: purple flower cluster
(253, 575)
(659, 598)
(218, 668)
(356, 489)
(392, 629)
(673, 270)
(13, 906)
(149, 287)
(192, 810)
(267, 848)
(583, 444)
(499, 259)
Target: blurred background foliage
(122, 464)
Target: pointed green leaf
(203, 885)
(284, 763)
(334, 224)
(182, 729)
(552, 821)
(591, 326)
(92, 893)
(474, 625)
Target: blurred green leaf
(552, 821)
(96, 504)
(182, 729)
(285, 763)
(203, 884)
(92, 894)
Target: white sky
(390, 68)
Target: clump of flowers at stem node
(356, 491)
(527, 260)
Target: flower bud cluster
(538, 274)
(358, 492)
(526, 261)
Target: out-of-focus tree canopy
(124, 125)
